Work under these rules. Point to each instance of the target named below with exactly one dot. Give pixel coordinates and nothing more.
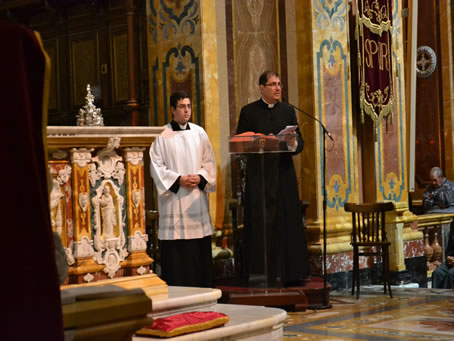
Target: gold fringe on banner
(374, 39)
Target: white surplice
(185, 214)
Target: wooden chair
(369, 238)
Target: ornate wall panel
(255, 46)
(84, 59)
(390, 153)
(120, 65)
(333, 103)
(51, 48)
(329, 99)
(430, 129)
(174, 56)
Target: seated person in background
(439, 196)
(443, 276)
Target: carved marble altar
(97, 199)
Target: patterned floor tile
(413, 314)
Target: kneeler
(184, 323)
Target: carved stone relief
(134, 155)
(81, 156)
(142, 270)
(60, 154)
(84, 248)
(56, 208)
(108, 163)
(88, 277)
(138, 242)
(109, 237)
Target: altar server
(184, 171)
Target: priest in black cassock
(287, 262)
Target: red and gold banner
(374, 36)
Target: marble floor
(412, 314)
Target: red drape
(31, 306)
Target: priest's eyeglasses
(275, 84)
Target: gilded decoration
(181, 63)
(374, 37)
(332, 75)
(173, 17)
(426, 61)
(391, 142)
(135, 178)
(174, 36)
(330, 14)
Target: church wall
(447, 86)
(174, 57)
(254, 43)
(434, 93)
(329, 100)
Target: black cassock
(286, 240)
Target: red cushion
(184, 323)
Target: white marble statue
(108, 213)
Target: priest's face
(271, 91)
(182, 112)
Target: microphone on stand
(309, 115)
(325, 300)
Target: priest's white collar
(177, 127)
(270, 105)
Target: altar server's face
(271, 91)
(182, 113)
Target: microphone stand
(325, 304)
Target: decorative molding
(81, 156)
(426, 61)
(88, 277)
(60, 154)
(133, 155)
(328, 14)
(142, 270)
(84, 248)
(109, 164)
(63, 175)
(69, 256)
(55, 206)
(136, 195)
(83, 201)
(137, 242)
